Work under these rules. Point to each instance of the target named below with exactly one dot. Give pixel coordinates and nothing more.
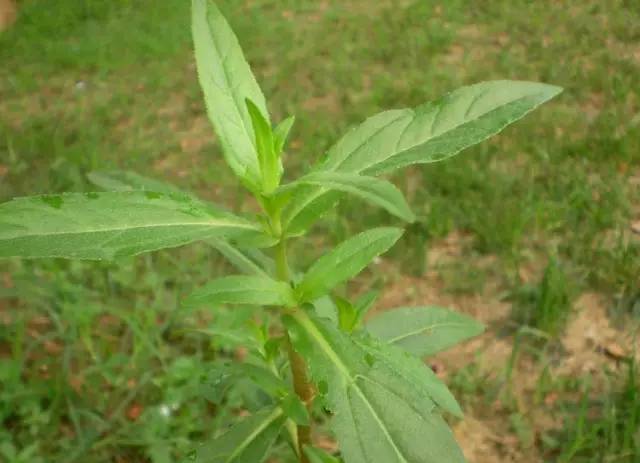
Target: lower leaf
(247, 441)
(385, 403)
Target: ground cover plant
(100, 361)
(385, 404)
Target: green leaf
(326, 308)
(384, 401)
(429, 133)
(347, 314)
(309, 204)
(365, 302)
(262, 377)
(230, 337)
(123, 180)
(350, 315)
(423, 331)
(295, 409)
(242, 289)
(250, 261)
(227, 81)
(413, 369)
(281, 134)
(345, 261)
(379, 192)
(270, 165)
(319, 456)
(436, 130)
(247, 441)
(112, 224)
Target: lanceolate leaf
(384, 401)
(428, 133)
(345, 261)
(242, 289)
(437, 130)
(227, 81)
(247, 441)
(423, 331)
(268, 159)
(111, 224)
(250, 261)
(377, 191)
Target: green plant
(547, 305)
(315, 349)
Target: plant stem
(304, 390)
(282, 266)
(301, 383)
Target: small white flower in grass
(165, 410)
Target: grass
(98, 364)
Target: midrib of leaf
(374, 413)
(242, 290)
(421, 330)
(252, 436)
(331, 354)
(155, 225)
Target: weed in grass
(547, 305)
(602, 427)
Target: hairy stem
(301, 383)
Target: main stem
(301, 383)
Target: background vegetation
(531, 232)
